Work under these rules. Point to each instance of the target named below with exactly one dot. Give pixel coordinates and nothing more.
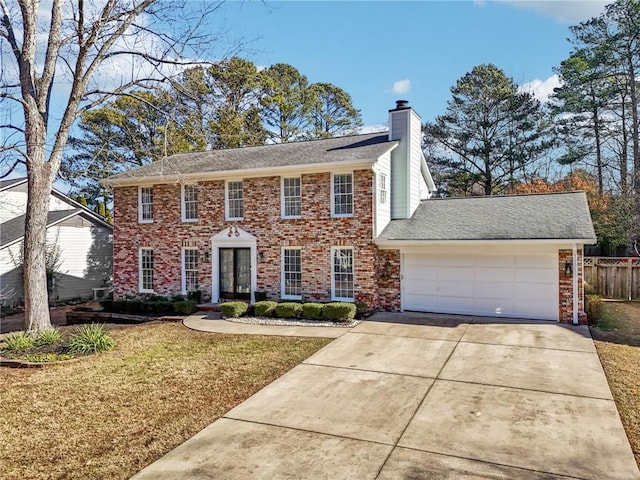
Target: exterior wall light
(568, 268)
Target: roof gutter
(395, 244)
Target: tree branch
(13, 167)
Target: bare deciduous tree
(68, 57)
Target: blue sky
(365, 47)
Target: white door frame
(232, 237)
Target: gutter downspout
(574, 260)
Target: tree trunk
(40, 182)
(596, 131)
(624, 156)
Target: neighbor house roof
(13, 230)
(351, 149)
(559, 216)
(11, 182)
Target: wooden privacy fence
(613, 277)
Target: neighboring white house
(83, 242)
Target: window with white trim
(146, 270)
(382, 180)
(189, 203)
(234, 201)
(145, 204)
(342, 195)
(190, 270)
(342, 274)
(291, 197)
(291, 273)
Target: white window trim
(226, 200)
(140, 276)
(353, 273)
(382, 188)
(282, 203)
(282, 278)
(183, 205)
(353, 196)
(183, 270)
(140, 219)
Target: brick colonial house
(348, 218)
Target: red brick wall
(316, 232)
(566, 288)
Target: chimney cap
(401, 105)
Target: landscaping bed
(112, 414)
(617, 340)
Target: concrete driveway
(418, 396)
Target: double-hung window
(145, 204)
(291, 273)
(189, 270)
(382, 180)
(189, 203)
(145, 268)
(291, 197)
(342, 274)
(342, 195)
(234, 201)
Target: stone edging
(290, 323)
(15, 363)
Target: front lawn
(617, 341)
(108, 416)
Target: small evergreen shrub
(50, 336)
(362, 309)
(233, 309)
(593, 308)
(185, 306)
(288, 310)
(90, 339)
(19, 342)
(195, 296)
(177, 298)
(260, 296)
(312, 311)
(265, 308)
(339, 311)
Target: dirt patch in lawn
(111, 414)
(618, 346)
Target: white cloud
(401, 86)
(565, 11)
(542, 89)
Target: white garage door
(519, 286)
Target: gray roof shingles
(13, 229)
(339, 149)
(8, 183)
(560, 216)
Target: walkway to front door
(235, 273)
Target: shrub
(195, 296)
(588, 289)
(361, 309)
(185, 306)
(260, 296)
(19, 342)
(91, 339)
(339, 311)
(265, 308)
(49, 336)
(177, 298)
(288, 310)
(312, 311)
(233, 309)
(138, 306)
(593, 308)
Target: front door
(235, 273)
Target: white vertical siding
(12, 204)
(382, 211)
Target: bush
(49, 336)
(138, 306)
(339, 311)
(260, 296)
(288, 310)
(362, 309)
(19, 342)
(233, 309)
(312, 311)
(588, 289)
(265, 308)
(90, 339)
(593, 308)
(185, 306)
(195, 296)
(177, 298)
